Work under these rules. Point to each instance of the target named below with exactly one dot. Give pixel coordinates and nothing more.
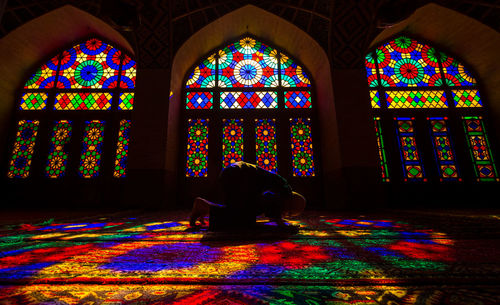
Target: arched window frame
(216, 115)
(117, 123)
(386, 125)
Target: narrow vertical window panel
(443, 149)
(33, 101)
(121, 160)
(375, 98)
(197, 148)
(371, 70)
(58, 153)
(128, 73)
(248, 100)
(384, 168)
(83, 101)
(265, 144)
(413, 169)
(479, 147)
(90, 160)
(302, 147)
(232, 141)
(24, 147)
(199, 100)
(298, 99)
(126, 101)
(416, 99)
(467, 98)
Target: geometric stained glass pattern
(248, 63)
(203, 76)
(455, 74)
(251, 100)
(292, 75)
(126, 101)
(375, 98)
(128, 74)
(24, 147)
(83, 101)
(302, 147)
(371, 71)
(91, 64)
(416, 99)
(265, 144)
(298, 99)
(33, 101)
(466, 98)
(58, 154)
(120, 170)
(480, 150)
(381, 151)
(232, 141)
(44, 77)
(404, 62)
(199, 100)
(197, 148)
(92, 143)
(410, 157)
(443, 150)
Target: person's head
(294, 206)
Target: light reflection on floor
(332, 259)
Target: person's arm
(201, 209)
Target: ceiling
(344, 28)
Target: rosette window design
(72, 106)
(429, 112)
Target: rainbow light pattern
(232, 141)
(479, 147)
(57, 160)
(302, 147)
(145, 259)
(410, 157)
(92, 143)
(248, 100)
(443, 150)
(121, 160)
(24, 147)
(83, 101)
(197, 148)
(415, 99)
(384, 168)
(33, 101)
(265, 144)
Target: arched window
(429, 115)
(73, 116)
(249, 101)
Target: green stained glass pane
(58, 154)
(232, 141)
(302, 147)
(265, 144)
(24, 147)
(197, 148)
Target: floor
(136, 257)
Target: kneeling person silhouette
(248, 191)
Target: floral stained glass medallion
(90, 160)
(232, 141)
(302, 147)
(24, 147)
(121, 159)
(265, 144)
(197, 148)
(57, 160)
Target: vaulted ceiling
(344, 28)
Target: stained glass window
(410, 156)
(197, 148)
(91, 80)
(479, 147)
(265, 144)
(302, 147)
(24, 147)
(57, 160)
(407, 77)
(443, 149)
(232, 141)
(122, 150)
(384, 169)
(90, 160)
(263, 87)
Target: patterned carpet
(395, 257)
